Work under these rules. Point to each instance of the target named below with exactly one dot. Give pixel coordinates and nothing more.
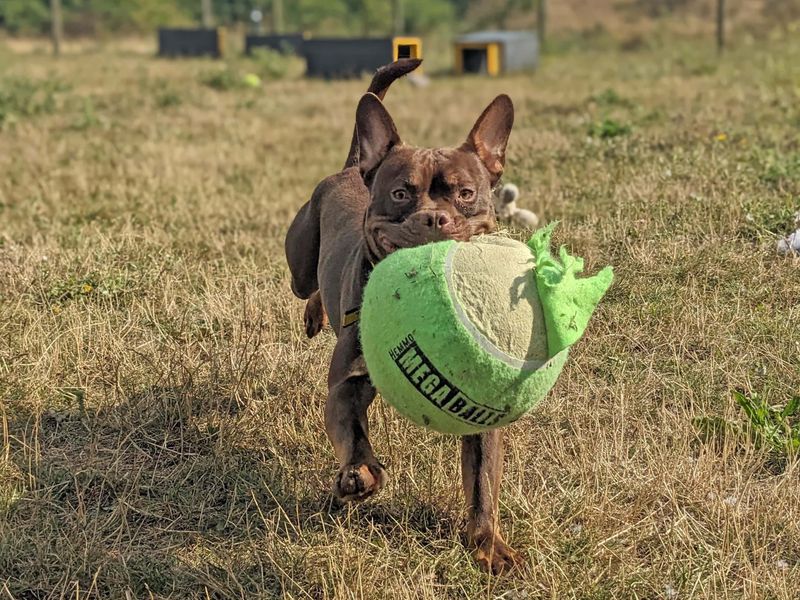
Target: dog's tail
(384, 77)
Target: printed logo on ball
(437, 389)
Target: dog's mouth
(387, 245)
(384, 237)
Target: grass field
(161, 409)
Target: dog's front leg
(349, 395)
(481, 471)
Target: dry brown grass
(161, 410)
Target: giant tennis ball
(462, 337)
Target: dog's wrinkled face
(426, 195)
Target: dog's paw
(494, 556)
(314, 316)
(356, 482)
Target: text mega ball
(462, 337)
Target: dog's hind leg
(302, 248)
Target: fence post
(277, 16)
(56, 25)
(208, 14)
(541, 22)
(398, 17)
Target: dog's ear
(489, 135)
(375, 131)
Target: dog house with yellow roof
(496, 52)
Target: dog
(505, 207)
(390, 195)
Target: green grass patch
(89, 287)
(780, 168)
(610, 97)
(23, 97)
(774, 428)
(609, 128)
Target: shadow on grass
(163, 494)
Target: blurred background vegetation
(593, 18)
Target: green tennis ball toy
(251, 80)
(463, 337)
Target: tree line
(331, 16)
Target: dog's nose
(437, 220)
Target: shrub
(222, 80)
(23, 97)
(270, 64)
(609, 128)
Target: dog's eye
(466, 194)
(400, 194)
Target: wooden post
(398, 17)
(720, 25)
(208, 13)
(56, 25)
(277, 16)
(541, 22)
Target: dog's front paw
(494, 556)
(356, 482)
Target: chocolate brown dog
(389, 196)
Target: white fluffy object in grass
(791, 243)
(505, 206)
